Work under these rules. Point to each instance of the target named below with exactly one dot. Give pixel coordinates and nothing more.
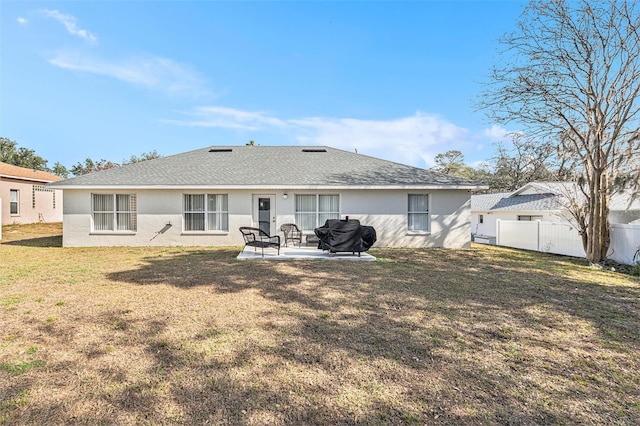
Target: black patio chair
(257, 238)
(291, 233)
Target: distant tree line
(522, 161)
(19, 156)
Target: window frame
(116, 214)
(530, 217)
(411, 213)
(15, 202)
(206, 213)
(317, 213)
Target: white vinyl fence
(625, 243)
(560, 238)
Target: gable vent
(221, 150)
(314, 150)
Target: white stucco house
(543, 201)
(24, 198)
(202, 197)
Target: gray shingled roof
(485, 202)
(546, 200)
(267, 166)
(504, 202)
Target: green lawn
(191, 335)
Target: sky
(111, 79)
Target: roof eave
(542, 189)
(26, 178)
(524, 210)
(270, 187)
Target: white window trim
(17, 202)
(206, 213)
(428, 213)
(115, 217)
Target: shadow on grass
(417, 337)
(53, 241)
(420, 337)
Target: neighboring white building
(542, 201)
(202, 197)
(25, 199)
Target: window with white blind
(418, 212)
(206, 212)
(312, 210)
(114, 212)
(14, 202)
(529, 217)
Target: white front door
(264, 213)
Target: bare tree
(570, 73)
(525, 160)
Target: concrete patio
(301, 253)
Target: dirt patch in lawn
(191, 335)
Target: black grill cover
(368, 237)
(345, 235)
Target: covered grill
(346, 235)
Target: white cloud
(496, 133)
(229, 118)
(70, 23)
(147, 71)
(414, 140)
(22, 21)
(142, 70)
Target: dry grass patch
(190, 335)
